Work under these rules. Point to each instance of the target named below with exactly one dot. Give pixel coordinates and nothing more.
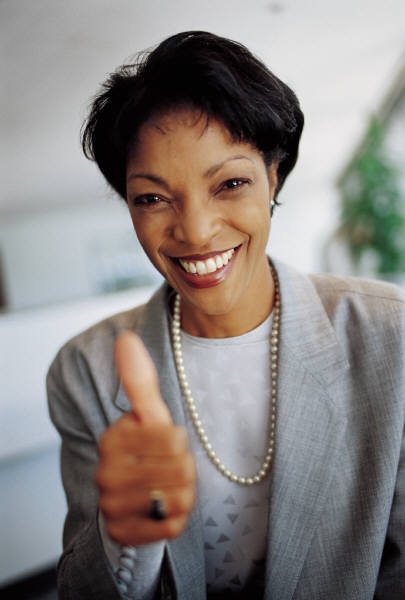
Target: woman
(262, 456)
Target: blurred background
(68, 256)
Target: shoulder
(81, 381)
(359, 311)
(337, 294)
(329, 284)
(368, 316)
(96, 342)
(91, 351)
(94, 347)
(83, 375)
(349, 295)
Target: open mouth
(208, 265)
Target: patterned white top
(230, 381)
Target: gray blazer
(336, 527)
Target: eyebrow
(150, 176)
(215, 168)
(209, 173)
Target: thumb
(140, 379)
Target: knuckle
(166, 440)
(172, 528)
(187, 470)
(104, 444)
(109, 508)
(184, 502)
(179, 439)
(113, 530)
(107, 443)
(106, 478)
(114, 436)
(180, 473)
(100, 478)
(174, 439)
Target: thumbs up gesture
(143, 453)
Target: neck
(244, 317)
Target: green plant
(373, 207)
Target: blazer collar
(310, 429)
(307, 331)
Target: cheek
(144, 234)
(142, 226)
(261, 224)
(151, 251)
(258, 215)
(151, 238)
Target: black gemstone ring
(157, 509)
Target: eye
(233, 184)
(146, 200)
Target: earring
(272, 207)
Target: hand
(143, 451)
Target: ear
(272, 174)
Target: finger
(177, 502)
(129, 440)
(120, 478)
(140, 380)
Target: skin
(141, 452)
(193, 194)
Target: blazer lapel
(310, 428)
(154, 330)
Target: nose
(196, 225)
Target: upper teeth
(202, 267)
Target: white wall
(69, 252)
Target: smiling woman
(254, 448)
(202, 215)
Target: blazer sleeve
(83, 569)
(391, 578)
(80, 405)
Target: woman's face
(200, 205)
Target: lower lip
(208, 280)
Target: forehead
(179, 123)
(187, 133)
(182, 116)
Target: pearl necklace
(261, 473)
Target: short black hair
(203, 71)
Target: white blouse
(230, 381)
